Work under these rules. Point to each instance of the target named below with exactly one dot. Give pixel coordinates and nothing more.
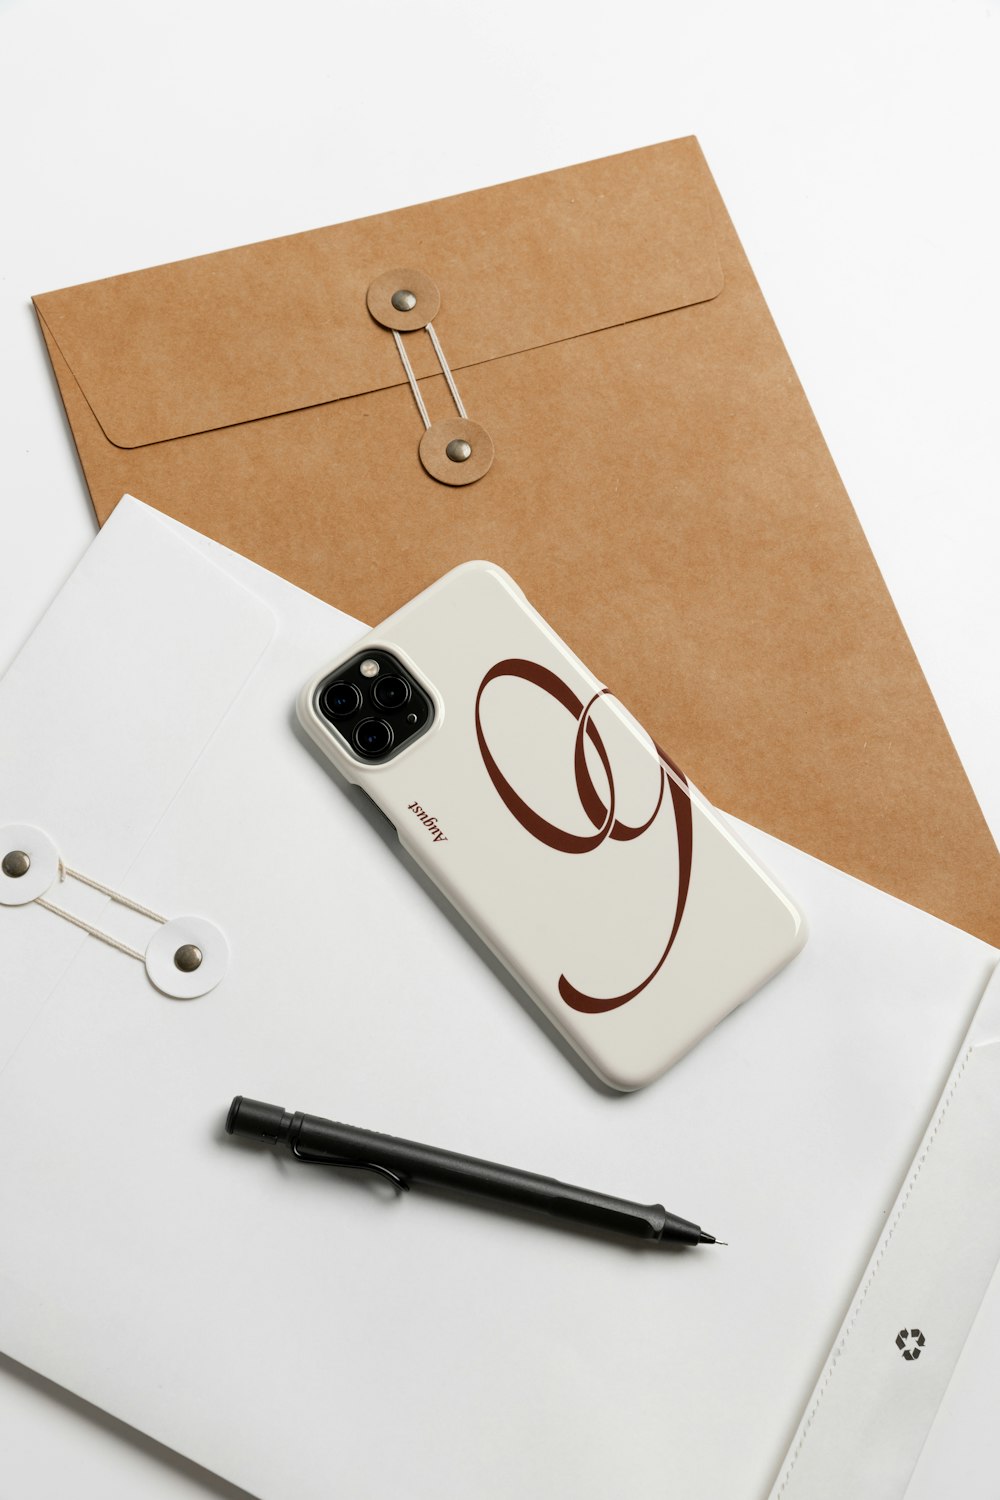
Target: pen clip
(399, 1183)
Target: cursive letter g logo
(601, 815)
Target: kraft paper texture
(660, 488)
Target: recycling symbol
(910, 1342)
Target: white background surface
(857, 148)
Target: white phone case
(579, 853)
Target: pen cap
(265, 1122)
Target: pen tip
(708, 1239)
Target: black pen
(312, 1139)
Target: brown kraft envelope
(659, 489)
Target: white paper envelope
(894, 1357)
(297, 1329)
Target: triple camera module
(375, 704)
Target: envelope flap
(147, 640)
(282, 325)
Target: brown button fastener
(404, 300)
(456, 451)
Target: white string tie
(116, 896)
(445, 371)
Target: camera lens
(391, 692)
(339, 700)
(372, 737)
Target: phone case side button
(370, 801)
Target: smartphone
(572, 844)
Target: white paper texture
(295, 1329)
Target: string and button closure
(185, 958)
(455, 451)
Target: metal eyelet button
(16, 864)
(404, 300)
